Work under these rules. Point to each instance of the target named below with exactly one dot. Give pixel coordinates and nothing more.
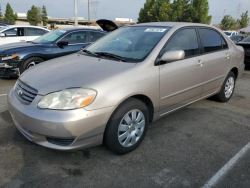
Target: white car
(15, 33)
(231, 33)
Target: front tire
(29, 63)
(227, 89)
(127, 127)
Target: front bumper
(7, 71)
(61, 130)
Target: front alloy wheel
(127, 126)
(131, 128)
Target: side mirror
(61, 44)
(171, 56)
(2, 35)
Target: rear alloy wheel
(29, 63)
(127, 127)
(227, 89)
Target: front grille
(60, 141)
(24, 92)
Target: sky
(110, 9)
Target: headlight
(9, 57)
(68, 99)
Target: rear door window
(211, 40)
(186, 40)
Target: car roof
(25, 26)
(171, 24)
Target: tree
(9, 17)
(200, 9)
(44, 16)
(1, 14)
(228, 23)
(160, 10)
(244, 20)
(181, 11)
(145, 14)
(34, 15)
(155, 11)
(178, 10)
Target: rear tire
(227, 89)
(127, 127)
(31, 62)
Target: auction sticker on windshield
(155, 30)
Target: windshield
(131, 44)
(49, 37)
(247, 39)
(3, 28)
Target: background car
(231, 33)
(15, 33)
(245, 43)
(17, 57)
(237, 38)
(2, 24)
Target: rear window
(35, 32)
(211, 40)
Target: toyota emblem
(20, 92)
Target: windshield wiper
(89, 52)
(113, 56)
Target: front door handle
(200, 63)
(227, 56)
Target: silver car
(112, 90)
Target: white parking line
(1, 95)
(227, 167)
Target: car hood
(246, 43)
(17, 46)
(72, 71)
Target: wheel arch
(143, 98)
(235, 71)
(25, 58)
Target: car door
(12, 35)
(76, 40)
(180, 81)
(215, 60)
(33, 33)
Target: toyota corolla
(112, 90)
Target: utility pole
(88, 11)
(76, 16)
